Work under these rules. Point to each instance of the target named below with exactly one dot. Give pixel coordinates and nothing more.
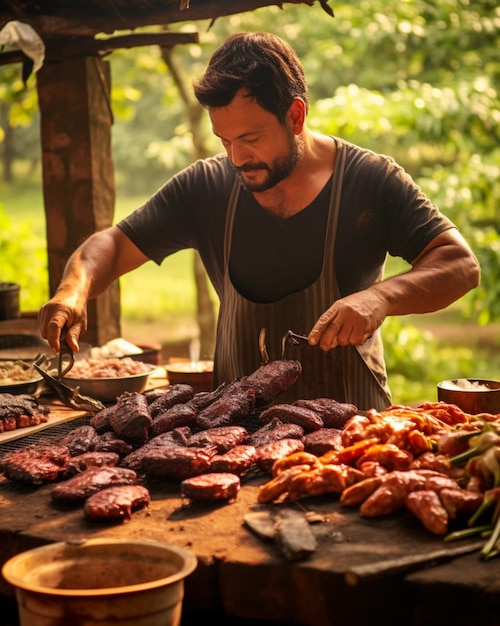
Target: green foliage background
(418, 80)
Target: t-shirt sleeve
(187, 212)
(412, 220)
(383, 211)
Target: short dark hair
(260, 63)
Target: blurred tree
(418, 80)
(205, 308)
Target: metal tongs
(68, 396)
(290, 338)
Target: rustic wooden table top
(362, 571)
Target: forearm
(442, 273)
(90, 269)
(439, 277)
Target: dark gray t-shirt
(382, 212)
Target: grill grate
(48, 435)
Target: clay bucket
(100, 582)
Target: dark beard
(278, 171)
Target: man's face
(263, 151)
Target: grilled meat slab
(334, 414)
(272, 431)
(84, 484)
(175, 394)
(80, 440)
(86, 460)
(116, 503)
(235, 461)
(308, 419)
(176, 462)
(271, 379)
(231, 408)
(131, 419)
(210, 487)
(36, 464)
(223, 438)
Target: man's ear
(297, 115)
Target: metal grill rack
(48, 435)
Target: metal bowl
(108, 389)
(30, 387)
(472, 395)
(19, 377)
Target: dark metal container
(9, 301)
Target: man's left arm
(442, 273)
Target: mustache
(252, 167)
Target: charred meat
(177, 416)
(273, 431)
(36, 464)
(20, 411)
(131, 419)
(86, 460)
(116, 503)
(176, 462)
(223, 438)
(84, 484)
(231, 408)
(333, 413)
(308, 419)
(237, 460)
(211, 487)
(175, 394)
(271, 379)
(80, 440)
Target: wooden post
(78, 175)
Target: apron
(354, 374)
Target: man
(293, 228)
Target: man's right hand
(63, 317)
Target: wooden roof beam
(61, 49)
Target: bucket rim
(190, 563)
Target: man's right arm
(100, 260)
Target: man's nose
(238, 155)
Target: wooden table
(241, 575)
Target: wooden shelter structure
(76, 117)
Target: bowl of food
(106, 379)
(198, 374)
(472, 395)
(119, 347)
(19, 377)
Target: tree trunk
(78, 176)
(8, 143)
(206, 317)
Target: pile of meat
(113, 367)
(435, 460)
(201, 440)
(208, 442)
(20, 411)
